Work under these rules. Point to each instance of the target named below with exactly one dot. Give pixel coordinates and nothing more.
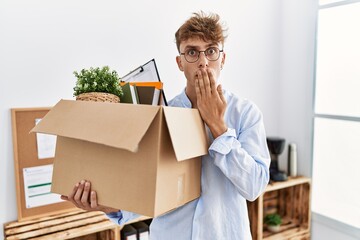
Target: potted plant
(273, 222)
(97, 84)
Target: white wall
(297, 74)
(269, 59)
(43, 42)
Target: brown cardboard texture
(139, 158)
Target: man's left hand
(211, 102)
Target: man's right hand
(82, 197)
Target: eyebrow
(197, 47)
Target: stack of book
(142, 92)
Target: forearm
(247, 169)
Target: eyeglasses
(192, 55)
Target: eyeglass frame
(198, 56)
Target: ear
(178, 61)
(223, 59)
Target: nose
(203, 61)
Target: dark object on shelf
(148, 222)
(276, 147)
(142, 230)
(128, 232)
(292, 160)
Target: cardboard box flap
(90, 121)
(187, 132)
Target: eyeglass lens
(192, 55)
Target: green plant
(272, 219)
(97, 80)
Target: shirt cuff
(115, 217)
(222, 144)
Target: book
(148, 95)
(130, 94)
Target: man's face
(190, 69)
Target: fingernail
(82, 182)
(77, 185)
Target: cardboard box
(140, 158)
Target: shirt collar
(185, 100)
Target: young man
(236, 168)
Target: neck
(191, 94)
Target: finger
(212, 81)
(93, 200)
(72, 194)
(201, 83)
(197, 89)
(85, 196)
(63, 197)
(206, 80)
(79, 192)
(221, 94)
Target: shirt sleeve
(242, 154)
(122, 217)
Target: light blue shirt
(235, 170)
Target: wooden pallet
(72, 225)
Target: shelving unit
(291, 200)
(71, 225)
(78, 224)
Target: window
(336, 147)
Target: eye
(211, 51)
(192, 52)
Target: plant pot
(273, 228)
(98, 97)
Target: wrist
(217, 131)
